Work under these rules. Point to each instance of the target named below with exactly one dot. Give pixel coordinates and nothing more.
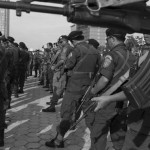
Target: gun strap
(81, 60)
(142, 58)
(123, 78)
(125, 62)
(113, 88)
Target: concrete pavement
(30, 128)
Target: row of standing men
(72, 70)
(14, 61)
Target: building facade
(4, 21)
(91, 32)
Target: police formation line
(86, 81)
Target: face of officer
(110, 42)
(63, 42)
(5, 44)
(147, 38)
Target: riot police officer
(5, 63)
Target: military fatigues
(23, 63)
(59, 80)
(4, 65)
(83, 60)
(46, 63)
(105, 120)
(50, 71)
(138, 134)
(30, 64)
(13, 72)
(37, 63)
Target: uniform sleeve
(108, 66)
(72, 59)
(63, 54)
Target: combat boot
(1, 137)
(16, 95)
(49, 109)
(54, 143)
(48, 103)
(20, 91)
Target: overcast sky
(37, 29)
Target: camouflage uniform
(83, 62)
(13, 72)
(59, 78)
(78, 82)
(46, 63)
(37, 62)
(4, 65)
(23, 63)
(30, 64)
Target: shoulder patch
(107, 61)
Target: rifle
(129, 15)
(86, 97)
(113, 88)
(121, 80)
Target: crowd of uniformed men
(67, 69)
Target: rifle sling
(81, 60)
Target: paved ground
(29, 128)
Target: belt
(90, 74)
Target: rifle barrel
(32, 7)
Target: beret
(76, 35)
(93, 42)
(63, 37)
(10, 39)
(3, 39)
(115, 32)
(22, 45)
(50, 44)
(16, 44)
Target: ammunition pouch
(137, 89)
